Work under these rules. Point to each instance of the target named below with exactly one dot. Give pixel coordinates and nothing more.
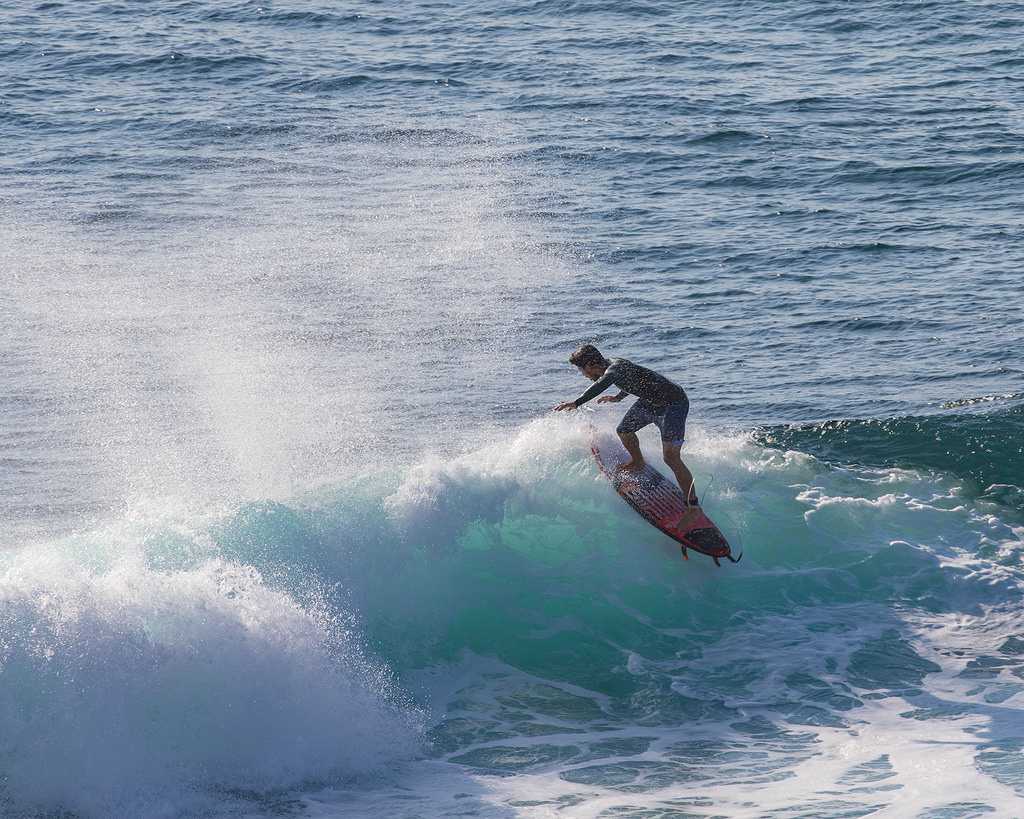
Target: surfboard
(661, 503)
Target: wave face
(500, 625)
(983, 447)
(158, 675)
(574, 658)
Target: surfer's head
(589, 361)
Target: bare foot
(633, 466)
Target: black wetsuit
(631, 378)
(661, 401)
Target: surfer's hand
(566, 405)
(609, 399)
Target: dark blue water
(287, 290)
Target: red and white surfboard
(660, 502)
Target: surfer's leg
(673, 432)
(684, 476)
(632, 445)
(639, 416)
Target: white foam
(126, 687)
(898, 752)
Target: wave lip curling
(125, 688)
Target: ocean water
(287, 292)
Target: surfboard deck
(661, 503)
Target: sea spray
(135, 677)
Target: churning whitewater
(494, 620)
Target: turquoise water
(288, 528)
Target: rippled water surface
(288, 289)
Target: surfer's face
(592, 371)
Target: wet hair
(586, 355)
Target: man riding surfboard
(660, 401)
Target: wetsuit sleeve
(595, 389)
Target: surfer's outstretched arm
(589, 361)
(598, 387)
(595, 389)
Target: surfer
(660, 401)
